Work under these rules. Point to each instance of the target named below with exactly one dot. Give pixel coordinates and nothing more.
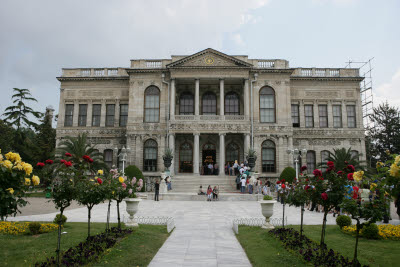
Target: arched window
(354, 154)
(267, 104)
(108, 157)
(186, 158)
(152, 104)
(268, 156)
(150, 156)
(186, 106)
(209, 104)
(310, 161)
(232, 104)
(232, 153)
(324, 157)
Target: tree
(342, 158)
(45, 140)
(289, 174)
(18, 114)
(7, 134)
(385, 135)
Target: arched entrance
(232, 153)
(186, 158)
(209, 157)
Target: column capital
(171, 134)
(222, 134)
(196, 134)
(221, 79)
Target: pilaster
(222, 154)
(172, 147)
(76, 114)
(197, 97)
(89, 113)
(196, 152)
(117, 111)
(246, 97)
(172, 102)
(221, 97)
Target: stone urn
(132, 206)
(252, 162)
(267, 209)
(167, 161)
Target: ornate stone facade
(212, 107)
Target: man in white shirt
(243, 181)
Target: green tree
(17, 115)
(7, 134)
(45, 140)
(384, 137)
(289, 174)
(342, 158)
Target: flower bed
(16, 228)
(90, 250)
(307, 249)
(386, 231)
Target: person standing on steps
(243, 182)
(209, 193)
(156, 190)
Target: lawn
(25, 250)
(262, 248)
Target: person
(264, 189)
(277, 190)
(215, 193)
(243, 184)
(268, 188)
(227, 166)
(156, 190)
(238, 183)
(210, 168)
(235, 167)
(201, 191)
(169, 184)
(209, 193)
(216, 169)
(258, 186)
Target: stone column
(221, 97)
(103, 114)
(246, 143)
(117, 110)
(281, 155)
(89, 113)
(196, 153)
(246, 97)
(344, 115)
(76, 114)
(138, 152)
(172, 147)
(172, 102)
(330, 114)
(302, 118)
(289, 156)
(197, 98)
(316, 115)
(221, 154)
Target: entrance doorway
(209, 157)
(186, 158)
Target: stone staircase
(190, 183)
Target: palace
(213, 107)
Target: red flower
(124, 185)
(40, 164)
(350, 177)
(90, 160)
(283, 186)
(68, 154)
(307, 180)
(99, 180)
(63, 161)
(317, 172)
(324, 196)
(307, 187)
(303, 168)
(339, 172)
(330, 164)
(49, 161)
(68, 163)
(320, 178)
(351, 168)
(283, 181)
(278, 182)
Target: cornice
(107, 78)
(145, 70)
(290, 71)
(354, 79)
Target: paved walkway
(203, 234)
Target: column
(197, 97)
(289, 156)
(280, 165)
(301, 114)
(76, 114)
(103, 114)
(172, 147)
(222, 154)
(316, 115)
(330, 114)
(246, 97)
(172, 102)
(221, 97)
(196, 153)
(246, 142)
(138, 151)
(117, 110)
(344, 115)
(89, 113)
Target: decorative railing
(99, 72)
(85, 72)
(153, 64)
(156, 220)
(322, 72)
(255, 221)
(112, 72)
(266, 64)
(209, 118)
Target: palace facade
(213, 107)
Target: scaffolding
(367, 99)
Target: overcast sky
(38, 38)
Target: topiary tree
(132, 171)
(289, 174)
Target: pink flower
(283, 181)
(339, 172)
(49, 161)
(99, 180)
(124, 185)
(68, 154)
(351, 168)
(140, 182)
(303, 168)
(130, 191)
(350, 177)
(40, 164)
(317, 172)
(324, 196)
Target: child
(209, 193)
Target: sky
(39, 38)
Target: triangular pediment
(209, 58)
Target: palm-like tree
(342, 158)
(78, 147)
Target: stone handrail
(325, 72)
(156, 220)
(93, 72)
(254, 221)
(209, 118)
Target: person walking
(215, 193)
(156, 190)
(243, 184)
(209, 193)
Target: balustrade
(209, 118)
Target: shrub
(60, 220)
(343, 220)
(266, 197)
(370, 231)
(133, 171)
(288, 174)
(34, 228)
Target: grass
(25, 250)
(262, 248)
(36, 194)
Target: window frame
(337, 118)
(146, 166)
(323, 118)
(123, 117)
(351, 116)
(308, 116)
(237, 149)
(229, 105)
(296, 106)
(148, 93)
(108, 163)
(82, 116)
(209, 93)
(311, 165)
(69, 118)
(94, 115)
(260, 109)
(265, 168)
(182, 107)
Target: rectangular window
(267, 108)
(108, 157)
(337, 116)
(96, 115)
(323, 116)
(110, 115)
(295, 116)
(309, 115)
(123, 114)
(69, 114)
(351, 116)
(82, 115)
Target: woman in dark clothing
(156, 190)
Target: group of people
(212, 193)
(168, 183)
(209, 169)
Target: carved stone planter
(167, 162)
(267, 209)
(252, 162)
(132, 206)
